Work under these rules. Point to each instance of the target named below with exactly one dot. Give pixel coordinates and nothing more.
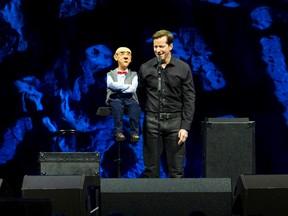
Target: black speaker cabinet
(166, 196)
(69, 163)
(229, 148)
(264, 195)
(69, 194)
(5, 190)
(25, 207)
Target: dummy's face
(123, 57)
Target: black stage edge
(25, 207)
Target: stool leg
(118, 160)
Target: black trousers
(159, 134)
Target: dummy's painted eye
(125, 53)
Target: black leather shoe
(135, 138)
(119, 137)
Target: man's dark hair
(162, 33)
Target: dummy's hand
(182, 135)
(127, 87)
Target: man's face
(161, 48)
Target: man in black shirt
(167, 95)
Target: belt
(165, 116)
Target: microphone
(159, 65)
(159, 59)
(159, 68)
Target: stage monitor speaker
(229, 148)
(25, 207)
(69, 194)
(166, 196)
(5, 190)
(70, 163)
(264, 195)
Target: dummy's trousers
(133, 111)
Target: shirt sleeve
(188, 101)
(133, 87)
(116, 86)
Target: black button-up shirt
(177, 92)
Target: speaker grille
(166, 196)
(69, 194)
(229, 148)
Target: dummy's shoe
(119, 137)
(135, 138)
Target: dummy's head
(122, 51)
(123, 56)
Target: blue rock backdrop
(54, 56)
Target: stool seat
(67, 131)
(104, 111)
(81, 137)
(107, 111)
